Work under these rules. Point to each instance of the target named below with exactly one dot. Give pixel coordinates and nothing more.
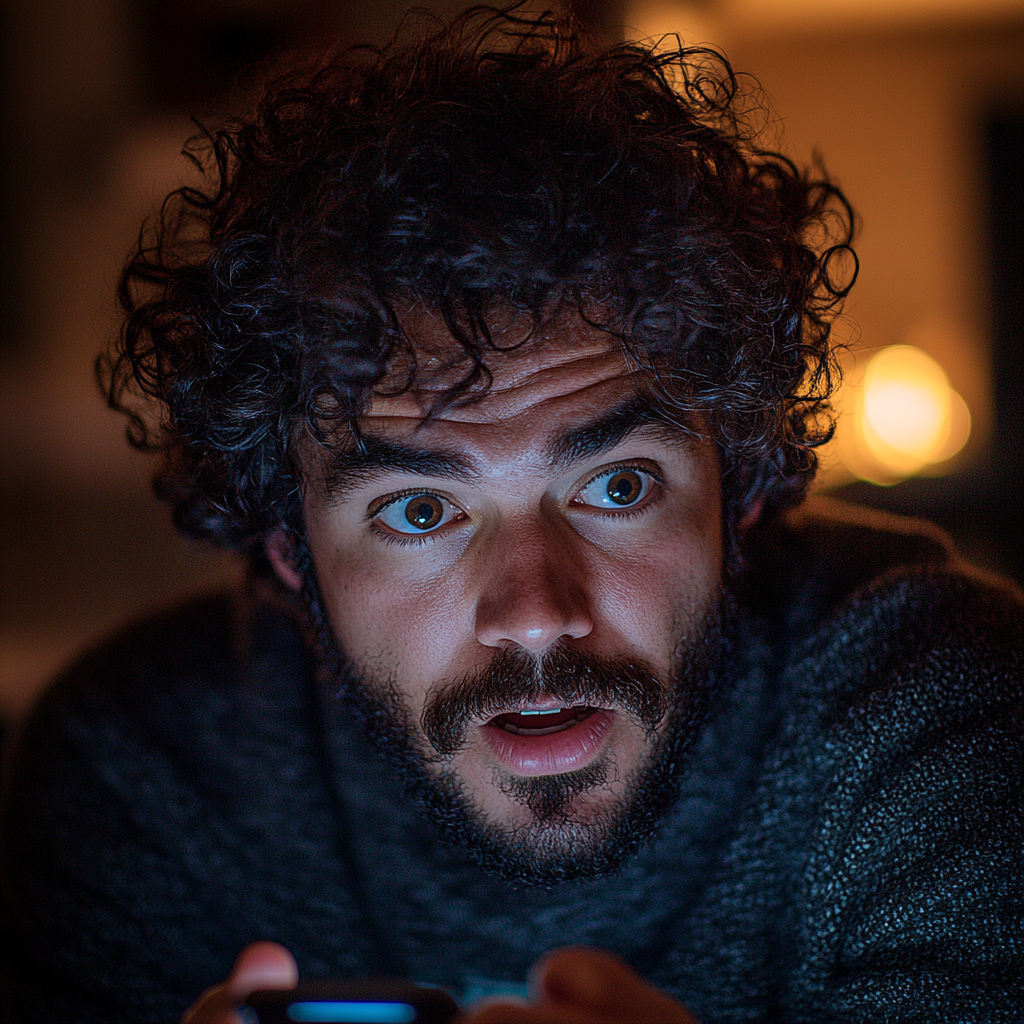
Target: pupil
(424, 512)
(623, 488)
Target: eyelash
(403, 540)
(630, 511)
(406, 540)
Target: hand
(586, 986)
(261, 965)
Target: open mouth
(542, 723)
(548, 741)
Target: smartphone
(360, 1001)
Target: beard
(556, 843)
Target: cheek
(384, 616)
(643, 597)
(646, 597)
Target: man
(504, 362)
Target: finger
(261, 965)
(599, 983)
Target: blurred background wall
(916, 106)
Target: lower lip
(553, 754)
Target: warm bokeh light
(906, 415)
(704, 21)
(903, 418)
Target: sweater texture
(847, 846)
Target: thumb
(262, 965)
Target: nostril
(530, 599)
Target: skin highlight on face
(529, 584)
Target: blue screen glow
(353, 1013)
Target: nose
(532, 590)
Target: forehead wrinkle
(521, 382)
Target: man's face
(555, 520)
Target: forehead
(539, 373)
(559, 397)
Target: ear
(279, 550)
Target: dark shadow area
(96, 545)
(198, 52)
(974, 508)
(77, 566)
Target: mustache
(515, 679)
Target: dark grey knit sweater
(848, 845)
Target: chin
(548, 829)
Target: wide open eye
(417, 513)
(616, 489)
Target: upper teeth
(552, 711)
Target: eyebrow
(373, 456)
(592, 439)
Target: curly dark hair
(495, 159)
